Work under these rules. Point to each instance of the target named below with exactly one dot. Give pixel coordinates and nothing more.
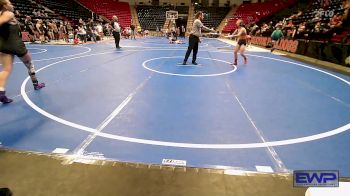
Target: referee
(116, 31)
(194, 37)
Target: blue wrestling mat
(137, 104)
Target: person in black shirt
(11, 44)
(132, 28)
(29, 26)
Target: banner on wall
(283, 44)
(326, 51)
(25, 37)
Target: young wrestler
(241, 34)
(11, 44)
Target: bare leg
(235, 54)
(7, 62)
(273, 44)
(27, 60)
(241, 51)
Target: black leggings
(192, 45)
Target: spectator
(50, 30)
(99, 30)
(69, 28)
(81, 33)
(132, 31)
(29, 27)
(301, 31)
(254, 28)
(335, 24)
(276, 35)
(289, 28)
(347, 61)
(40, 29)
(336, 21)
(183, 30)
(346, 7)
(317, 18)
(35, 13)
(18, 14)
(62, 32)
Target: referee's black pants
(116, 36)
(192, 45)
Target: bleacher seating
(326, 12)
(69, 9)
(181, 9)
(253, 12)
(213, 15)
(108, 8)
(151, 17)
(26, 8)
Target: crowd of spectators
(319, 24)
(50, 30)
(297, 26)
(46, 30)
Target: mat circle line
(314, 137)
(61, 57)
(144, 65)
(42, 50)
